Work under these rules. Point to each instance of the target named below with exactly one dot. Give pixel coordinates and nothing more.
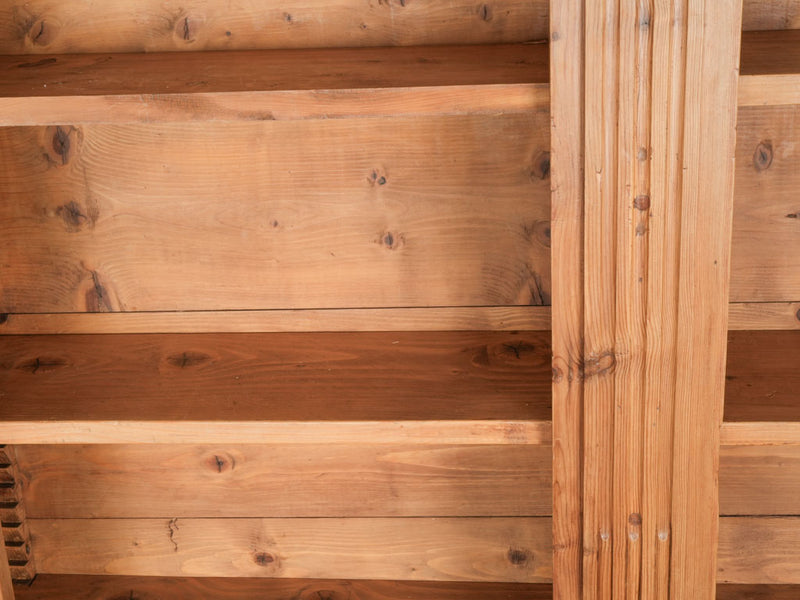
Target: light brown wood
(770, 68)
(13, 520)
(347, 480)
(394, 376)
(766, 233)
(759, 550)
(771, 14)
(6, 589)
(338, 214)
(271, 85)
(100, 587)
(760, 433)
(759, 480)
(489, 432)
(566, 132)
(445, 549)
(762, 379)
(463, 318)
(763, 315)
(659, 149)
(63, 26)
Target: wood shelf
(271, 84)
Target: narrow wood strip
(478, 549)
(265, 377)
(274, 106)
(64, 26)
(467, 318)
(106, 587)
(763, 315)
(769, 90)
(759, 480)
(771, 52)
(286, 432)
(283, 480)
(6, 589)
(760, 433)
(759, 550)
(727, 591)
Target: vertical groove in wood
(566, 142)
(659, 97)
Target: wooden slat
(276, 377)
(659, 149)
(488, 549)
(759, 550)
(100, 587)
(762, 379)
(727, 591)
(771, 14)
(354, 480)
(6, 590)
(63, 26)
(270, 85)
(760, 433)
(436, 211)
(766, 233)
(465, 318)
(770, 67)
(487, 432)
(759, 480)
(763, 315)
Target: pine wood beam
(645, 93)
(6, 589)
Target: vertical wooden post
(643, 107)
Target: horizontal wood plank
(104, 587)
(762, 379)
(277, 377)
(354, 480)
(761, 15)
(760, 433)
(763, 315)
(471, 549)
(429, 211)
(759, 550)
(457, 318)
(729, 591)
(64, 26)
(759, 480)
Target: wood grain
(763, 315)
(727, 591)
(104, 587)
(762, 379)
(447, 549)
(760, 433)
(276, 377)
(271, 85)
(457, 318)
(30, 27)
(771, 52)
(488, 432)
(6, 589)
(353, 480)
(766, 232)
(759, 550)
(436, 211)
(759, 480)
(771, 14)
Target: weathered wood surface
(729, 591)
(64, 26)
(277, 377)
(455, 318)
(99, 587)
(6, 589)
(429, 211)
(353, 480)
(271, 85)
(15, 535)
(762, 379)
(760, 433)
(766, 232)
(444, 549)
(357, 480)
(640, 465)
(762, 315)
(759, 550)
(771, 14)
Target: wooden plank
(727, 591)
(566, 133)
(271, 85)
(766, 223)
(659, 143)
(759, 550)
(457, 318)
(6, 589)
(771, 14)
(770, 67)
(353, 480)
(80, 26)
(762, 379)
(763, 315)
(384, 376)
(104, 587)
(760, 433)
(759, 480)
(338, 214)
(446, 549)
(277, 432)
